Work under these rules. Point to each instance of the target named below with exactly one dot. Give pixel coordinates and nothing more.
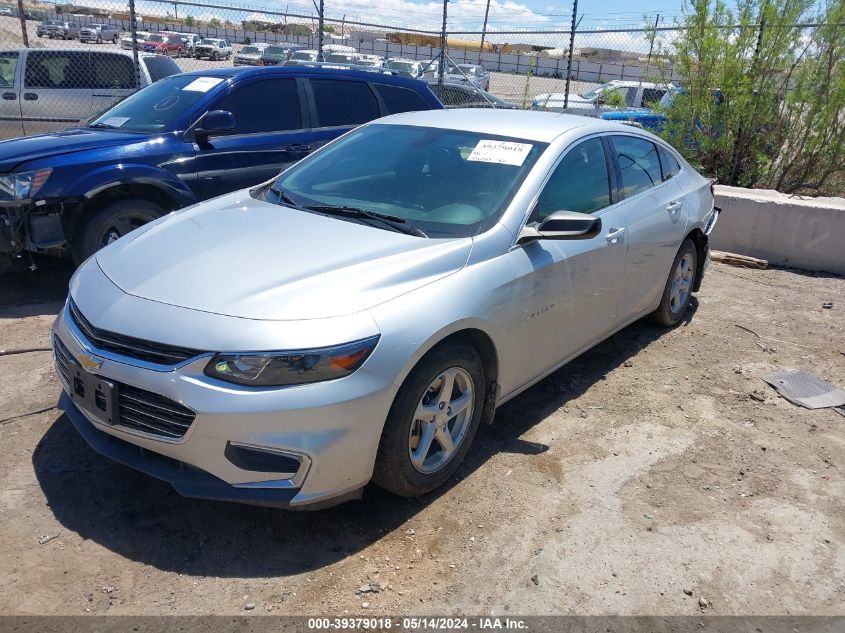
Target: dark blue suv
(184, 139)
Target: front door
(568, 291)
(270, 134)
(56, 90)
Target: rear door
(11, 125)
(113, 78)
(271, 132)
(338, 105)
(656, 219)
(56, 90)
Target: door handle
(299, 147)
(674, 206)
(614, 235)
(9, 96)
(30, 96)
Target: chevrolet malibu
(358, 317)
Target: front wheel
(110, 224)
(114, 40)
(432, 422)
(678, 290)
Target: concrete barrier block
(795, 231)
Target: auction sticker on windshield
(202, 84)
(501, 152)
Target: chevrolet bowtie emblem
(89, 362)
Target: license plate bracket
(93, 393)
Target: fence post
(22, 17)
(569, 59)
(133, 28)
(320, 35)
(442, 66)
(483, 32)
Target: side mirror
(562, 225)
(214, 122)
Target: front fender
(103, 178)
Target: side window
(579, 183)
(113, 71)
(160, 67)
(58, 69)
(343, 102)
(652, 96)
(249, 105)
(401, 99)
(8, 65)
(638, 164)
(628, 94)
(668, 162)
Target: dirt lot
(657, 464)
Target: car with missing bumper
(184, 139)
(354, 320)
(57, 29)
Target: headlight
(25, 184)
(275, 369)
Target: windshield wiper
(103, 126)
(281, 195)
(395, 223)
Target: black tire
(110, 223)
(114, 40)
(393, 468)
(669, 313)
(214, 56)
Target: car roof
(542, 127)
(333, 71)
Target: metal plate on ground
(805, 389)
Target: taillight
(713, 182)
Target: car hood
(15, 151)
(242, 257)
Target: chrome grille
(138, 409)
(150, 351)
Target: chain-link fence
(60, 63)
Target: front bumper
(333, 428)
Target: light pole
(483, 32)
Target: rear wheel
(432, 422)
(678, 290)
(114, 40)
(111, 223)
(214, 56)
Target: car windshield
(250, 50)
(468, 70)
(209, 42)
(275, 50)
(158, 106)
(155, 38)
(302, 55)
(595, 92)
(408, 67)
(447, 183)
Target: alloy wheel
(681, 284)
(441, 420)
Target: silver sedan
(359, 316)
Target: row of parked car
(70, 30)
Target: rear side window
(271, 105)
(638, 164)
(669, 163)
(652, 96)
(113, 71)
(401, 99)
(160, 67)
(63, 70)
(343, 102)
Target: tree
(214, 23)
(763, 100)
(190, 20)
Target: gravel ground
(655, 475)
